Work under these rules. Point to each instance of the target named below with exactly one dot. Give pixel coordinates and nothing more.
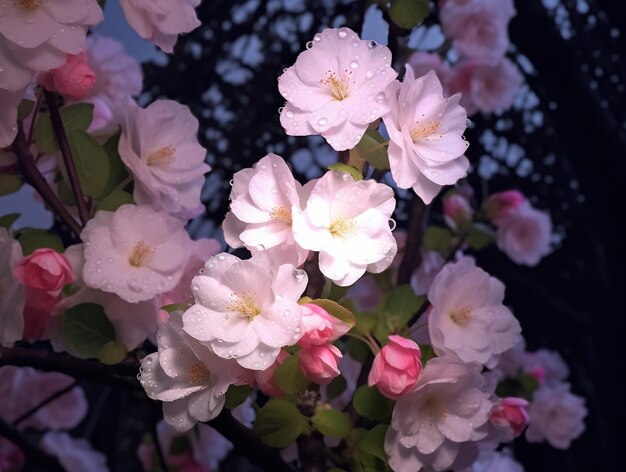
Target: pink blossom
(65, 412)
(457, 211)
(262, 199)
(426, 144)
(8, 117)
(38, 35)
(496, 461)
(486, 86)
(12, 292)
(265, 378)
(503, 204)
(348, 223)
(396, 367)
(548, 367)
(478, 28)
(430, 265)
(159, 144)
(74, 78)
(11, 457)
(423, 62)
(320, 327)
(75, 455)
(434, 427)
(525, 235)
(319, 363)
(467, 318)
(556, 415)
(336, 88)
(161, 22)
(246, 309)
(510, 416)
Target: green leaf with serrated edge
(479, 236)
(339, 166)
(279, 423)
(331, 423)
(117, 169)
(336, 387)
(370, 149)
(7, 221)
(9, 184)
(86, 329)
(112, 353)
(31, 239)
(373, 442)
(358, 350)
(369, 402)
(438, 239)
(236, 395)
(408, 13)
(399, 307)
(24, 109)
(74, 117)
(289, 377)
(91, 162)
(114, 200)
(336, 310)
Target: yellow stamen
(244, 304)
(30, 5)
(421, 131)
(163, 155)
(281, 213)
(435, 409)
(461, 316)
(198, 374)
(342, 229)
(141, 252)
(339, 87)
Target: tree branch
(32, 176)
(43, 403)
(59, 131)
(417, 218)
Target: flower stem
(59, 131)
(371, 343)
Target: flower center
(198, 374)
(421, 131)
(338, 86)
(435, 409)
(244, 304)
(141, 252)
(462, 316)
(281, 213)
(30, 5)
(163, 155)
(342, 229)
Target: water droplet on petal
(280, 110)
(317, 38)
(354, 64)
(372, 44)
(309, 45)
(232, 181)
(260, 247)
(322, 121)
(381, 97)
(289, 113)
(342, 34)
(355, 44)
(299, 274)
(392, 224)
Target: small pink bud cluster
(457, 211)
(396, 367)
(510, 415)
(502, 204)
(74, 79)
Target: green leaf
(369, 402)
(112, 353)
(117, 169)
(336, 387)
(331, 423)
(9, 184)
(438, 239)
(24, 109)
(336, 310)
(31, 239)
(7, 221)
(370, 149)
(171, 308)
(399, 306)
(92, 163)
(408, 13)
(236, 395)
(289, 377)
(74, 117)
(86, 330)
(279, 423)
(341, 167)
(114, 200)
(365, 322)
(374, 441)
(357, 350)
(479, 236)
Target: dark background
(563, 144)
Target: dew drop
(280, 110)
(342, 34)
(369, 74)
(392, 224)
(260, 247)
(317, 38)
(354, 64)
(231, 182)
(355, 44)
(221, 257)
(372, 44)
(299, 274)
(289, 113)
(380, 98)
(322, 121)
(309, 45)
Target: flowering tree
(325, 337)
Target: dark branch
(417, 219)
(43, 403)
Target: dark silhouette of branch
(43, 403)
(417, 217)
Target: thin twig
(32, 176)
(417, 216)
(31, 130)
(43, 403)
(70, 167)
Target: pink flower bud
(319, 363)
(265, 378)
(320, 327)
(502, 204)
(510, 415)
(74, 79)
(45, 269)
(456, 211)
(396, 367)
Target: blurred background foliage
(563, 144)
